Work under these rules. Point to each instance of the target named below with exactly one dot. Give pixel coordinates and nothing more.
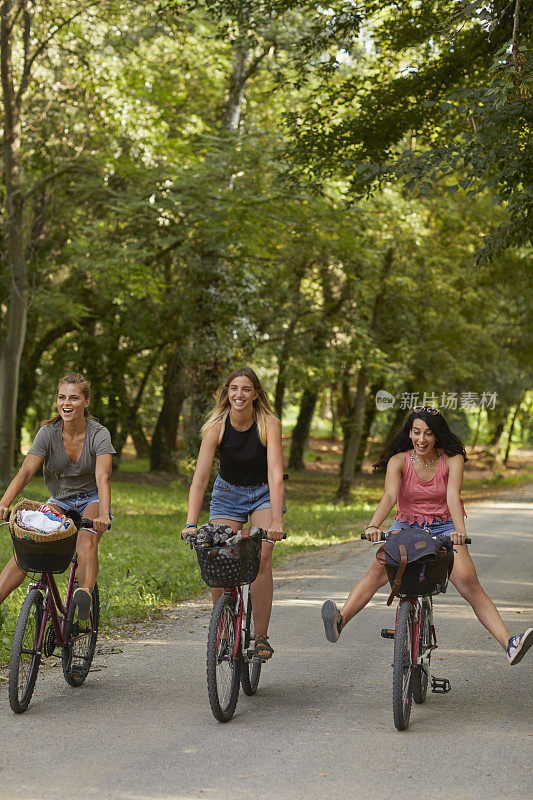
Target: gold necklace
(429, 463)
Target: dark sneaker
(82, 599)
(332, 618)
(519, 645)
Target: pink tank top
(423, 501)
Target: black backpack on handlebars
(416, 563)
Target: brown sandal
(261, 646)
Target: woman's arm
(393, 479)
(102, 474)
(456, 465)
(202, 473)
(275, 478)
(29, 467)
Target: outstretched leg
(362, 592)
(465, 580)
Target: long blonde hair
(85, 388)
(221, 409)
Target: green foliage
(155, 235)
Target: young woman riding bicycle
(425, 463)
(250, 482)
(76, 455)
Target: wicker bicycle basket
(224, 567)
(41, 552)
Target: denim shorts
(77, 502)
(436, 527)
(229, 501)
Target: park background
(338, 195)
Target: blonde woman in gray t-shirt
(75, 452)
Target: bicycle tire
(25, 659)
(403, 662)
(250, 672)
(223, 668)
(80, 637)
(421, 675)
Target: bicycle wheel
(80, 637)
(421, 674)
(401, 680)
(223, 668)
(25, 659)
(250, 672)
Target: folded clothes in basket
(44, 520)
(215, 534)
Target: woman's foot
(82, 599)
(332, 619)
(262, 648)
(519, 645)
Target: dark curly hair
(445, 439)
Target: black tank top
(243, 459)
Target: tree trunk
(354, 427)
(370, 414)
(203, 365)
(129, 420)
(355, 430)
(283, 359)
(163, 447)
(333, 409)
(497, 422)
(12, 338)
(300, 434)
(140, 442)
(511, 429)
(478, 425)
(232, 111)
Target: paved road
(321, 724)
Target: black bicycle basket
(44, 556)
(224, 567)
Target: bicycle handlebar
(468, 540)
(85, 523)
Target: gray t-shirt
(62, 477)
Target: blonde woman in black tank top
(250, 483)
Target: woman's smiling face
(71, 402)
(241, 393)
(422, 437)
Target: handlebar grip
(88, 523)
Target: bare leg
(363, 591)
(263, 587)
(465, 580)
(235, 526)
(10, 578)
(87, 550)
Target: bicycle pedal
(440, 685)
(388, 633)
(253, 659)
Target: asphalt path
(321, 723)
